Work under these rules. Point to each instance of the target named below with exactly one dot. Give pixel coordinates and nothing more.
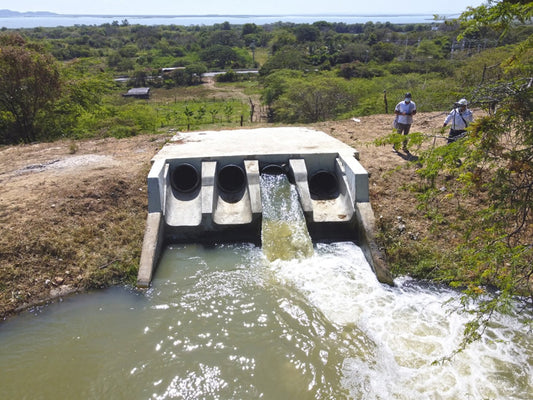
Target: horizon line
(328, 14)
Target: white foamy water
(404, 330)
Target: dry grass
(72, 228)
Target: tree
(282, 39)
(306, 33)
(74, 114)
(287, 58)
(139, 78)
(29, 85)
(313, 99)
(249, 29)
(219, 56)
(224, 37)
(429, 49)
(195, 72)
(275, 84)
(384, 52)
(500, 15)
(495, 168)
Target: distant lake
(71, 20)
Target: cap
(408, 95)
(462, 102)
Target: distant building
(170, 69)
(139, 93)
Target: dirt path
(69, 210)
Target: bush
(230, 76)
(315, 98)
(360, 70)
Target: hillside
(73, 213)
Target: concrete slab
(252, 142)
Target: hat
(408, 95)
(462, 102)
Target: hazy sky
(202, 7)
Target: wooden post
(252, 108)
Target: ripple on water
(222, 322)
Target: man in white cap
(460, 117)
(404, 111)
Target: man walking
(404, 111)
(460, 117)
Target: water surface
(290, 321)
(222, 322)
(208, 20)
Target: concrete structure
(204, 187)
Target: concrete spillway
(204, 187)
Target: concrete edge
(208, 192)
(357, 177)
(155, 183)
(344, 184)
(366, 232)
(151, 249)
(299, 171)
(254, 190)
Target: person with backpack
(404, 111)
(460, 117)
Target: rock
(62, 290)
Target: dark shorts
(404, 128)
(455, 134)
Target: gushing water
(284, 233)
(224, 322)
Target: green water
(284, 234)
(218, 327)
(224, 323)
(290, 321)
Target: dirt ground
(92, 193)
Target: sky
(233, 7)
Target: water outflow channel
(225, 322)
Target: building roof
(138, 92)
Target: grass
(91, 238)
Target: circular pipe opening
(185, 178)
(231, 178)
(324, 185)
(273, 169)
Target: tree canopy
(29, 84)
(496, 167)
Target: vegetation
(69, 88)
(493, 167)
(27, 92)
(307, 73)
